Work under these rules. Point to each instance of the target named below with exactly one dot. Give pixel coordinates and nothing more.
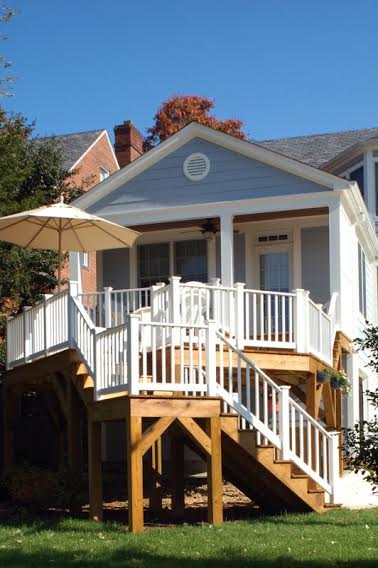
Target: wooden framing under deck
(165, 411)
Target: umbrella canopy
(62, 227)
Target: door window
(274, 271)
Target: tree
(361, 441)
(6, 14)
(178, 111)
(32, 175)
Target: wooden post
(134, 473)
(74, 429)
(156, 474)
(177, 473)
(94, 469)
(9, 419)
(214, 473)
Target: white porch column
(75, 274)
(335, 245)
(227, 249)
(211, 259)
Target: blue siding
(232, 176)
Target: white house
(253, 271)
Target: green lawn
(338, 538)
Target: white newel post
(174, 300)
(227, 250)
(133, 353)
(156, 307)
(284, 421)
(211, 361)
(215, 283)
(108, 306)
(301, 320)
(239, 314)
(27, 333)
(334, 465)
(46, 322)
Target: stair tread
(315, 491)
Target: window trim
(84, 260)
(104, 170)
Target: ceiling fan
(209, 228)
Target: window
(362, 280)
(104, 173)
(153, 264)
(376, 187)
(191, 260)
(84, 260)
(358, 176)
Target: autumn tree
(178, 111)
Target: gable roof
(319, 149)
(75, 145)
(193, 130)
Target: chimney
(128, 143)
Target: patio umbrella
(62, 227)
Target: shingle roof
(318, 149)
(74, 145)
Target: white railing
(311, 447)
(168, 357)
(38, 331)
(321, 333)
(111, 360)
(277, 418)
(269, 318)
(82, 334)
(94, 304)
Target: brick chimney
(128, 143)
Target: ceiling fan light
(209, 235)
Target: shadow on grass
(133, 556)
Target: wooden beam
(329, 407)
(94, 470)
(110, 409)
(134, 473)
(39, 369)
(153, 433)
(177, 473)
(290, 214)
(157, 407)
(313, 396)
(156, 476)
(214, 473)
(195, 433)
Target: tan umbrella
(62, 227)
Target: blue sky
(285, 67)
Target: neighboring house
(253, 273)
(91, 155)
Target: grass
(338, 538)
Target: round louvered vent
(196, 167)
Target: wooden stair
(275, 485)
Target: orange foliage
(178, 111)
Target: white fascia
(215, 209)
